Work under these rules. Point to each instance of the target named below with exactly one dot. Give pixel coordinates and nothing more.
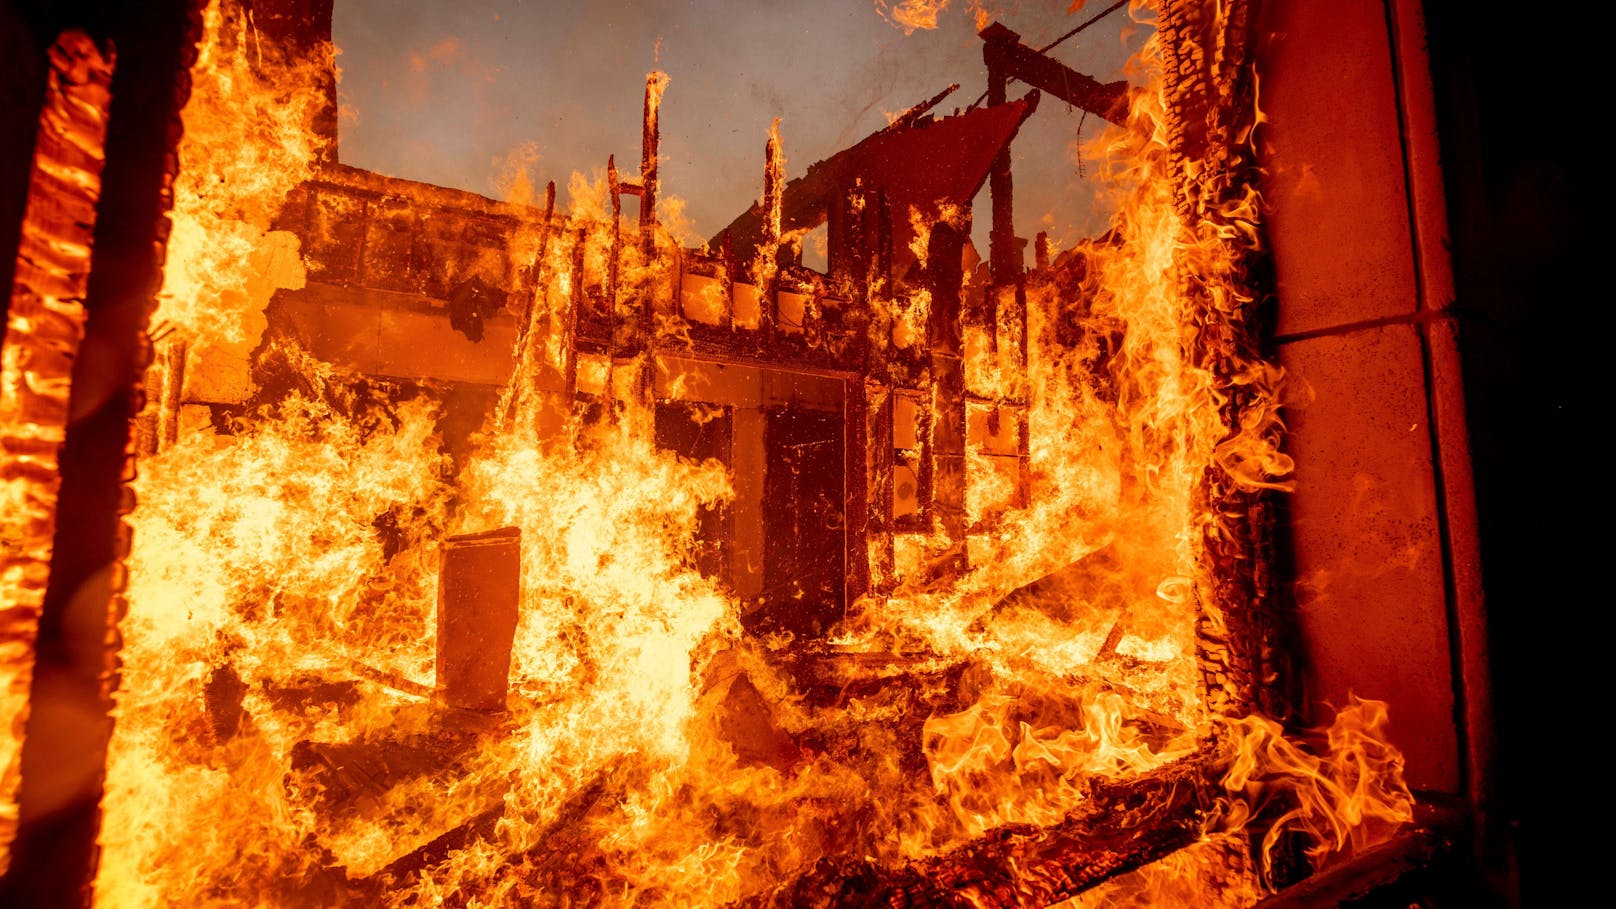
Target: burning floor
(483, 553)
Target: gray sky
(451, 92)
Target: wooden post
(1004, 263)
(947, 448)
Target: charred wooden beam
(883, 242)
(64, 753)
(774, 187)
(41, 328)
(1121, 827)
(956, 153)
(945, 337)
(1007, 58)
(514, 390)
(574, 316)
(909, 117)
(1002, 232)
(174, 361)
(856, 447)
(620, 343)
(765, 271)
(1211, 108)
(650, 138)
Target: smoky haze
(470, 93)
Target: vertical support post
(1023, 354)
(774, 187)
(580, 237)
(628, 323)
(78, 664)
(856, 439)
(882, 279)
(946, 343)
(768, 264)
(878, 483)
(650, 138)
(525, 374)
(1002, 252)
(40, 333)
(614, 257)
(168, 428)
(726, 258)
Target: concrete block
(1368, 556)
(1334, 183)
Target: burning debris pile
(581, 647)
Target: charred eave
(929, 162)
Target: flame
(230, 185)
(913, 15)
(282, 631)
(910, 15)
(1347, 798)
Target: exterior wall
(383, 256)
(1381, 526)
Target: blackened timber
(1120, 827)
(617, 327)
(1210, 113)
(40, 334)
(855, 452)
(908, 117)
(1007, 58)
(570, 341)
(935, 160)
(946, 346)
(54, 855)
(650, 137)
(514, 390)
(878, 484)
(773, 198)
(1002, 230)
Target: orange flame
(1349, 797)
(281, 633)
(913, 15)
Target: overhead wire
(1045, 49)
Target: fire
(1345, 799)
(910, 15)
(277, 737)
(913, 15)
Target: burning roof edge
(924, 162)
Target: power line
(1097, 17)
(1045, 49)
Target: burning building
(372, 542)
